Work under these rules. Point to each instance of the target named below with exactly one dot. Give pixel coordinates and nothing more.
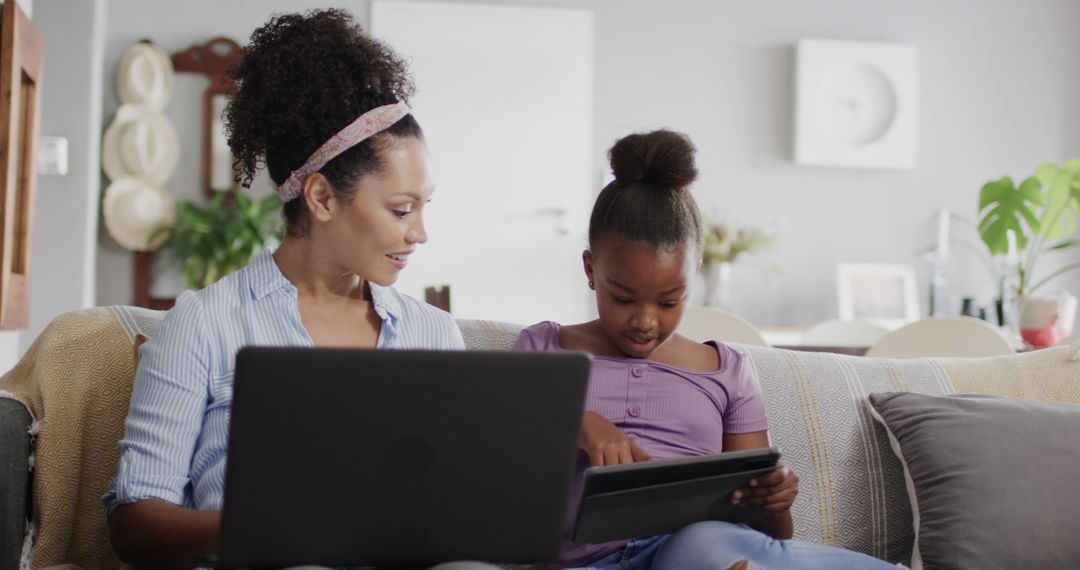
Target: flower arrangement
(724, 243)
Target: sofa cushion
(992, 479)
(1048, 375)
(488, 335)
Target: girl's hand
(774, 491)
(607, 444)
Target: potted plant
(211, 241)
(1021, 222)
(724, 243)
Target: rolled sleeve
(168, 404)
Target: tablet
(659, 497)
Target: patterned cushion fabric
(851, 486)
(488, 335)
(1048, 375)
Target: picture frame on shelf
(881, 292)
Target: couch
(62, 410)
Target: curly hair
(649, 201)
(301, 79)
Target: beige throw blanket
(76, 380)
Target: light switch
(52, 159)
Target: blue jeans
(716, 545)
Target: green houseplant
(213, 240)
(1041, 213)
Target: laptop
(347, 457)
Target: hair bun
(662, 159)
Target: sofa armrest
(14, 472)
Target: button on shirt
(176, 435)
(667, 410)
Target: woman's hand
(774, 491)
(152, 533)
(606, 444)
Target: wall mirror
(213, 59)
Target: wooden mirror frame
(21, 52)
(213, 59)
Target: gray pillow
(993, 481)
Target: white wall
(998, 84)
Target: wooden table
(848, 350)
(790, 338)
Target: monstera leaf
(1003, 206)
(1045, 208)
(1061, 193)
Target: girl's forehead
(644, 267)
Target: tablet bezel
(637, 499)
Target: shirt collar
(387, 303)
(266, 276)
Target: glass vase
(718, 285)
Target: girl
(323, 107)
(655, 394)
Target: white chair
(704, 323)
(942, 336)
(838, 332)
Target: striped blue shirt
(176, 435)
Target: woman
(323, 107)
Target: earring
(591, 286)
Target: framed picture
(880, 292)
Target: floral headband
(364, 127)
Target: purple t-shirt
(667, 410)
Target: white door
(504, 95)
